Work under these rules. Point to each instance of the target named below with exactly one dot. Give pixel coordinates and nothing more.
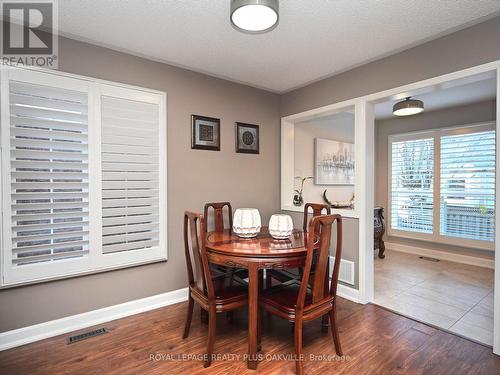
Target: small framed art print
(205, 133)
(247, 138)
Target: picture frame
(334, 162)
(205, 133)
(247, 138)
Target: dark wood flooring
(375, 341)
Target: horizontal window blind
(130, 175)
(468, 186)
(83, 176)
(412, 185)
(48, 174)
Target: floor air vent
(429, 259)
(87, 335)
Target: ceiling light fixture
(408, 107)
(254, 16)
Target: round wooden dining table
(255, 254)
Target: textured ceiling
(315, 38)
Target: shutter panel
(468, 186)
(412, 185)
(45, 178)
(130, 163)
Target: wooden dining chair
(299, 303)
(213, 296)
(285, 275)
(218, 209)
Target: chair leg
(203, 316)
(324, 323)
(335, 332)
(269, 280)
(230, 316)
(188, 317)
(212, 319)
(259, 330)
(299, 365)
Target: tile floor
(452, 296)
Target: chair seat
(231, 293)
(283, 297)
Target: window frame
(96, 261)
(435, 236)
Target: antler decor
(338, 204)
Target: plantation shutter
(412, 185)
(468, 186)
(131, 160)
(45, 175)
(83, 171)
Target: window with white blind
(442, 185)
(412, 185)
(83, 167)
(468, 186)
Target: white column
(365, 154)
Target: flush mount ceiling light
(408, 107)
(254, 16)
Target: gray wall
(454, 116)
(476, 45)
(199, 176)
(194, 177)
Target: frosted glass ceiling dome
(254, 16)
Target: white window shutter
(45, 175)
(412, 174)
(83, 175)
(468, 186)
(132, 151)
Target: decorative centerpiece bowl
(246, 222)
(280, 226)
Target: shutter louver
(130, 175)
(412, 185)
(48, 173)
(468, 186)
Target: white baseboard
(348, 293)
(442, 255)
(25, 335)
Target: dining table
(256, 254)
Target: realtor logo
(29, 33)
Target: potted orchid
(298, 200)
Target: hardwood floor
(375, 341)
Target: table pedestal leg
(253, 306)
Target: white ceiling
(314, 39)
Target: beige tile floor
(452, 296)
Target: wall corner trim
(26, 335)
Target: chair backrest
(194, 248)
(317, 210)
(320, 229)
(218, 208)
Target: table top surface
(263, 245)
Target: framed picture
(247, 138)
(333, 162)
(205, 133)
